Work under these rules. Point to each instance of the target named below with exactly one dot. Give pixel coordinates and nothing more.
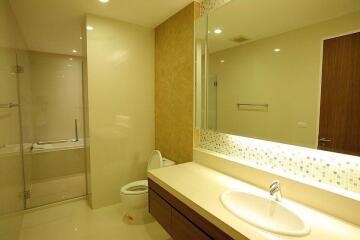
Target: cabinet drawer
(183, 229)
(160, 210)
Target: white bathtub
(56, 160)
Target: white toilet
(134, 195)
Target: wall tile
(174, 86)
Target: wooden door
(339, 129)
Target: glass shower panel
(212, 102)
(11, 166)
(11, 163)
(52, 123)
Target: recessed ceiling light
(218, 31)
(277, 50)
(70, 59)
(104, 1)
(74, 51)
(222, 61)
(89, 28)
(81, 38)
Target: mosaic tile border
(208, 5)
(339, 170)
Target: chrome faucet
(275, 190)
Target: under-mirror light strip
(333, 169)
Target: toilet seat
(138, 188)
(135, 188)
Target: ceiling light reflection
(218, 31)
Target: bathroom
(182, 119)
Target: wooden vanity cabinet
(182, 228)
(179, 220)
(160, 210)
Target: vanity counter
(200, 188)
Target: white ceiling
(256, 19)
(55, 25)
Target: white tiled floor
(75, 221)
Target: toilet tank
(155, 161)
(167, 162)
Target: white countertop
(200, 188)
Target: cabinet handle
(324, 140)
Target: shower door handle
(76, 131)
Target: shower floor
(56, 189)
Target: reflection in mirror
(285, 71)
(200, 69)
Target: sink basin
(264, 213)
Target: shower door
(52, 127)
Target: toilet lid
(155, 160)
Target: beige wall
(56, 86)
(174, 85)
(11, 178)
(289, 81)
(120, 83)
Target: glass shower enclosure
(52, 127)
(42, 156)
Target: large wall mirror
(284, 71)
